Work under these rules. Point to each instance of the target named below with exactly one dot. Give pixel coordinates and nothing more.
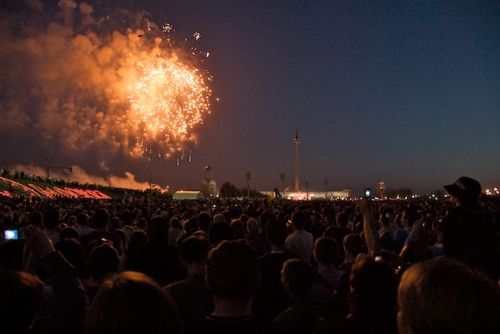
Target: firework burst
(168, 99)
(116, 84)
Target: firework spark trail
(114, 83)
(169, 111)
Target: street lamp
(247, 177)
(282, 178)
(326, 191)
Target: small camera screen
(10, 234)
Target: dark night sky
(407, 92)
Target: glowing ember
(117, 84)
(167, 28)
(168, 99)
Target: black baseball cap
(465, 188)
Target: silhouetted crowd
(251, 266)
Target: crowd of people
(251, 266)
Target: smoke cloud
(80, 175)
(68, 77)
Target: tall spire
(296, 160)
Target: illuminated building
(208, 184)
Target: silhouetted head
(20, 301)
(465, 189)
(233, 271)
(445, 296)
(276, 232)
(298, 220)
(100, 218)
(297, 277)
(326, 251)
(131, 302)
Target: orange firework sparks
(168, 99)
(116, 84)
(168, 95)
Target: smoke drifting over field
(79, 88)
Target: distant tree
(253, 193)
(439, 194)
(404, 192)
(401, 192)
(229, 190)
(390, 193)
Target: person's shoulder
(88, 237)
(295, 319)
(471, 209)
(267, 257)
(258, 240)
(93, 233)
(302, 232)
(171, 250)
(297, 234)
(112, 235)
(288, 254)
(331, 272)
(344, 231)
(222, 325)
(307, 235)
(270, 260)
(84, 230)
(172, 286)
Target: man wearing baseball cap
(468, 234)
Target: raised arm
(372, 238)
(67, 309)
